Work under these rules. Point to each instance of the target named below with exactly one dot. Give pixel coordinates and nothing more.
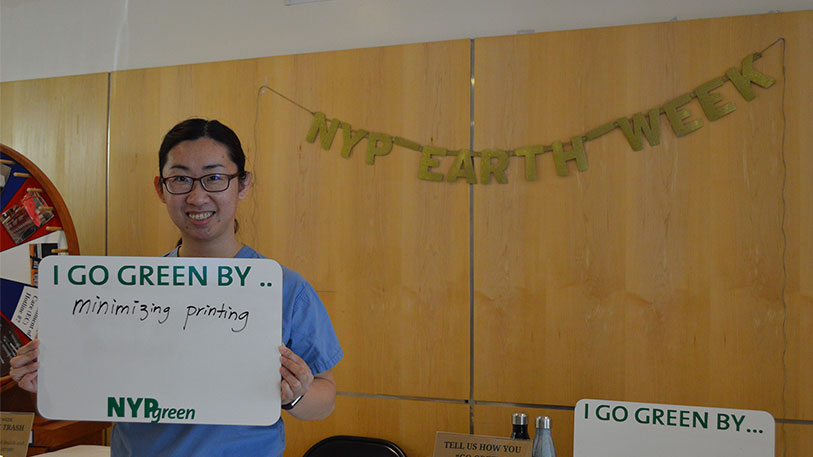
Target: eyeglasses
(215, 182)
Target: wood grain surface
(60, 124)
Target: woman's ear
(245, 185)
(159, 188)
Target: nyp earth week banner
(493, 162)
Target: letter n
(116, 407)
(320, 125)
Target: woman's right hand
(24, 367)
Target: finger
(20, 372)
(292, 380)
(28, 382)
(290, 377)
(289, 354)
(31, 346)
(30, 349)
(293, 362)
(24, 359)
(286, 391)
(300, 380)
(299, 369)
(295, 371)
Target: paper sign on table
(16, 433)
(626, 429)
(169, 340)
(465, 445)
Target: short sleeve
(308, 330)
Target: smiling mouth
(200, 216)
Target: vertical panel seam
(107, 172)
(784, 259)
(471, 243)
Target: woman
(198, 160)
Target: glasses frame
(202, 185)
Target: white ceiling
(44, 38)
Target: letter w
(640, 128)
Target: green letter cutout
(676, 116)
(376, 149)
(530, 153)
(488, 167)
(742, 81)
(708, 100)
(462, 167)
(427, 163)
(640, 127)
(576, 152)
(328, 132)
(351, 138)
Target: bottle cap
(543, 422)
(519, 419)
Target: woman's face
(200, 215)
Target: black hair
(195, 128)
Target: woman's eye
(180, 179)
(214, 178)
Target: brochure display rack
(35, 224)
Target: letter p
(151, 408)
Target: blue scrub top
(306, 330)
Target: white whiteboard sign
(626, 429)
(169, 340)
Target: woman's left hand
(296, 375)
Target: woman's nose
(198, 194)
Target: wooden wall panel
(799, 226)
(61, 125)
(144, 105)
(655, 275)
(410, 424)
(393, 248)
(793, 440)
(387, 252)
(496, 421)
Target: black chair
(354, 446)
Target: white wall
(44, 38)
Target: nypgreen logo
(118, 407)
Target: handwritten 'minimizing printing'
(143, 311)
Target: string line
(591, 135)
